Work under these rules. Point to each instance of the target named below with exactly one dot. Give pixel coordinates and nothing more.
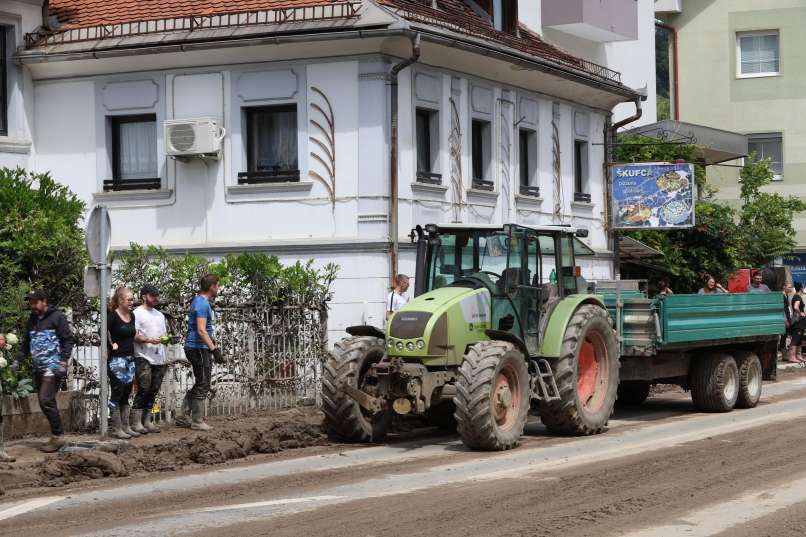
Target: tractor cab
(525, 269)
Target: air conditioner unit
(193, 137)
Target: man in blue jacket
(49, 341)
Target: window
(581, 172)
(509, 16)
(527, 158)
(134, 153)
(757, 54)
(427, 133)
(768, 146)
(482, 150)
(4, 35)
(271, 145)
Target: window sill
(585, 205)
(126, 197)
(528, 201)
(259, 191)
(482, 197)
(427, 187)
(19, 147)
(757, 75)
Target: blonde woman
(120, 324)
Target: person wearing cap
(149, 358)
(49, 341)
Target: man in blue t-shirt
(199, 350)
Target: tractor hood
(439, 324)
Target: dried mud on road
(173, 449)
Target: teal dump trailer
(718, 346)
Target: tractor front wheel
(587, 375)
(492, 396)
(349, 362)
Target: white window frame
(777, 176)
(434, 139)
(758, 33)
(533, 152)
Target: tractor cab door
(522, 281)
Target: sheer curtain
(759, 54)
(138, 150)
(274, 139)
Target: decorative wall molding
(556, 162)
(267, 85)
(455, 149)
(323, 121)
(130, 95)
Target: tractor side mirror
(582, 233)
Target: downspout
(393, 151)
(46, 15)
(675, 77)
(610, 154)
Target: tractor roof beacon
(501, 318)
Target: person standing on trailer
(149, 357)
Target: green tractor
(501, 322)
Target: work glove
(218, 357)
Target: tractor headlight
(391, 343)
(410, 346)
(420, 344)
(399, 345)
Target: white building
(494, 125)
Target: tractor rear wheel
(587, 375)
(492, 396)
(750, 375)
(349, 362)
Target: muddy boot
(183, 419)
(115, 430)
(125, 416)
(197, 406)
(148, 424)
(4, 456)
(136, 421)
(53, 445)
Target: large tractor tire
(632, 393)
(350, 360)
(750, 378)
(715, 383)
(587, 375)
(492, 396)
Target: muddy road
(661, 470)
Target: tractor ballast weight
(490, 329)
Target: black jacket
(48, 340)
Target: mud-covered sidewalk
(86, 457)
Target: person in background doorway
(711, 286)
(397, 298)
(4, 456)
(664, 288)
(121, 326)
(49, 341)
(149, 358)
(756, 283)
(199, 349)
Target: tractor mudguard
(500, 335)
(365, 330)
(560, 317)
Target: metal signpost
(99, 231)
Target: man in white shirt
(149, 357)
(397, 298)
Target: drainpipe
(393, 150)
(675, 78)
(46, 15)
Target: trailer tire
(586, 400)
(632, 393)
(344, 418)
(750, 378)
(492, 396)
(715, 383)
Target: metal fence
(273, 358)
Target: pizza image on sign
(653, 195)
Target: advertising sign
(655, 195)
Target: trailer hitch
(364, 400)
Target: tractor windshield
(459, 254)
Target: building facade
(740, 69)
(494, 125)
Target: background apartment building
(741, 67)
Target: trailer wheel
(349, 361)
(632, 393)
(492, 396)
(750, 375)
(715, 383)
(587, 375)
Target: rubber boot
(148, 424)
(136, 421)
(197, 406)
(125, 413)
(5, 457)
(116, 431)
(183, 419)
(53, 445)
